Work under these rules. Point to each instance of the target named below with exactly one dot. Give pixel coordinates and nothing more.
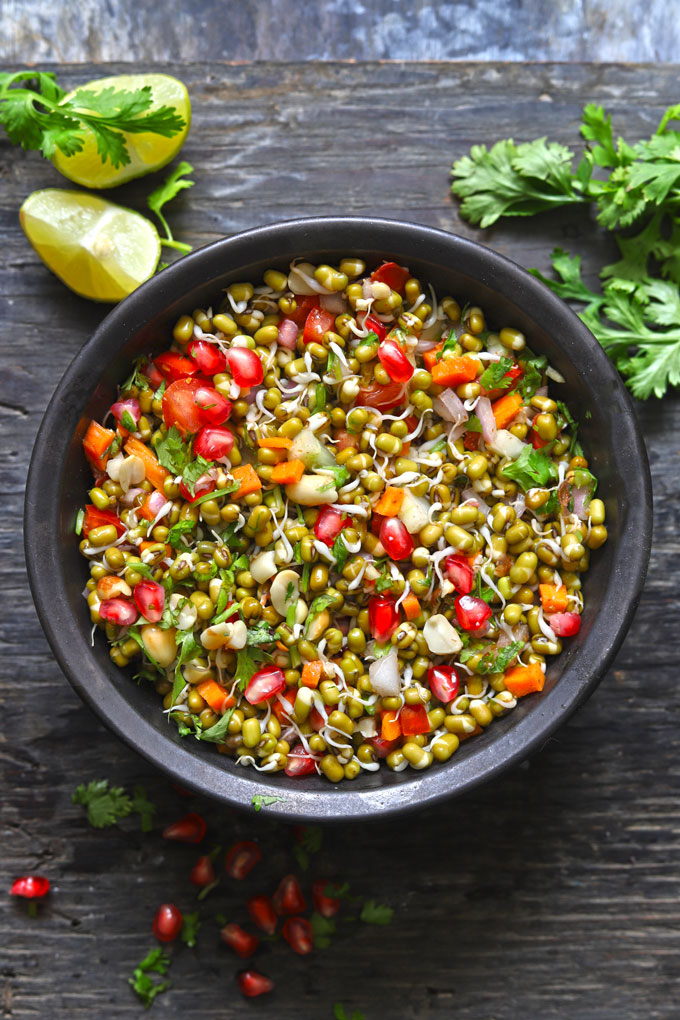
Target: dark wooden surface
(551, 893)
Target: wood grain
(550, 893)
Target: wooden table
(552, 892)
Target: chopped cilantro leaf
(80, 517)
(193, 471)
(174, 536)
(322, 929)
(172, 452)
(340, 552)
(493, 662)
(496, 377)
(190, 928)
(156, 962)
(128, 422)
(532, 468)
(105, 805)
(261, 800)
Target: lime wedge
(148, 151)
(100, 250)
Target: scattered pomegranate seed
(251, 983)
(31, 887)
(203, 872)
(297, 931)
(324, 904)
(242, 942)
(241, 859)
(263, 914)
(167, 924)
(289, 898)
(190, 829)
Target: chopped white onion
(486, 419)
(384, 675)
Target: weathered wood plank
(552, 892)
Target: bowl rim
(342, 804)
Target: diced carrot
(275, 443)
(155, 472)
(505, 409)
(281, 647)
(553, 597)
(521, 680)
(147, 545)
(390, 502)
(411, 607)
(248, 479)
(430, 357)
(96, 443)
(311, 673)
(391, 727)
(287, 472)
(454, 371)
(217, 697)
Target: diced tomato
(394, 275)
(150, 600)
(318, 322)
(154, 376)
(174, 366)
(413, 719)
(120, 611)
(297, 931)
(305, 303)
(96, 518)
(381, 746)
(381, 397)
(189, 404)
(536, 440)
(345, 439)
(189, 829)
(299, 762)
(242, 942)
(471, 440)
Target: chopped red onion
(450, 407)
(456, 431)
(156, 501)
(580, 497)
(128, 498)
(288, 334)
(427, 343)
(472, 494)
(486, 419)
(334, 303)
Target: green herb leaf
(193, 471)
(376, 913)
(493, 662)
(339, 1013)
(322, 929)
(105, 806)
(449, 344)
(340, 552)
(175, 533)
(384, 582)
(532, 468)
(496, 377)
(248, 661)
(260, 634)
(172, 185)
(318, 605)
(172, 452)
(128, 422)
(80, 517)
(261, 800)
(188, 649)
(190, 928)
(142, 806)
(155, 962)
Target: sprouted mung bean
(338, 520)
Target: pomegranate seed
(565, 624)
(288, 898)
(460, 573)
(242, 942)
(30, 887)
(444, 683)
(472, 612)
(245, 366)
(395, 362)
(265, 684)
(203, 872)
(324, 904)
(297, 931)
(190, 829)
(208, 357)
(241, 859)
(329, 524)
(251, 983)
(213, 443)
(383, 617)
(263, 914)
(150, 600)
(167, 924)
(119, 611)
(398, 543)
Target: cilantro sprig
(636, 314)
(171, 186)
(37, 115)
(155, 962)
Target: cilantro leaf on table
(308, 843)
(155, 962)
(531, 469)
(340, 1014)
(105, 805)
(322, 929)
(172, 185)
(190, 928)
(376, 913)
(42, 118)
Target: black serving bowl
(59, 479)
